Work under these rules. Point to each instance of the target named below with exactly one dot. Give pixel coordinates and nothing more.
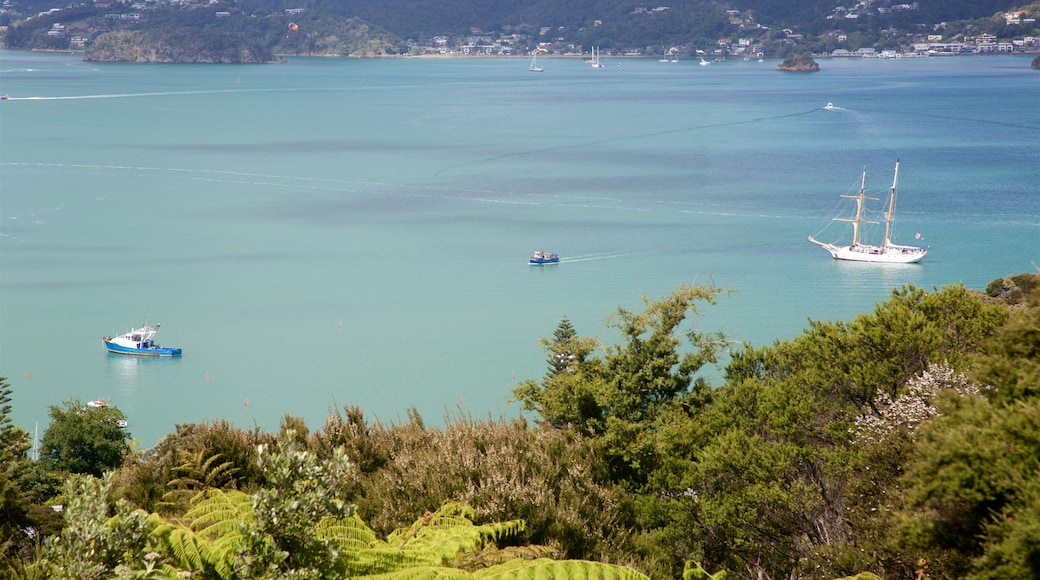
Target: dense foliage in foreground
(903, 442)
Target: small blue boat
(541, 258)
(139, 342)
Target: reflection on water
(125, 372)
(428, 256)
(865, 279)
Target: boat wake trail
(138, 95)
(592, 257)
(584, 144)
(1002, 122)
(295, 182)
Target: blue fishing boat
(139, 342)
(541, 258)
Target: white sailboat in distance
(858, 251)
(595, 59)
(534, 64)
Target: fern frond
(218, 511)
(694, 571)
(214, 474)
(439, 538)
(186, 550)
(423, 573)
(492, 555)
(444, 544)
(223, 553)
(381, 559)
(454, 508)
(209, 540)
(451, 526)
(351, 534)
(544, 569)
(229, 496)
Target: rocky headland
(182, 45)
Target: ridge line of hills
(241, 31)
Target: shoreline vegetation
(694, 29)
(281, 57)
(900, 444)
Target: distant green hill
(391, 27)
(260, 33)
(177, 45)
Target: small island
(799, 63)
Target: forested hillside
(681, 20)
(600, 22)
(177, 45)
(811, 14)
(391, 27)
(900, 444)
(318, 32)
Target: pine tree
(561, 349)
(14, 505)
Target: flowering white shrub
(913, 408)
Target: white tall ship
(858, 251)
(595, 59)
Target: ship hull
(151, 351)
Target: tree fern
(218, 515)
(361, 551)
(196, 472)
(540, 569)
(381, 559)
(350, 533)
(218, 512)
(694, 571)
(442, 535)
(492, 555)
(545, 569)
(421, 550)
(184, 549)
(220, 537)
(209, 537)
(423, 573)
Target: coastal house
(481, 45)
(1014, 17)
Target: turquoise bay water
(332, 232)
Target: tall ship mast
(858, 250)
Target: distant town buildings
(525, 39)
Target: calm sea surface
(331, 232)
